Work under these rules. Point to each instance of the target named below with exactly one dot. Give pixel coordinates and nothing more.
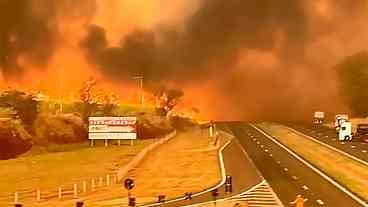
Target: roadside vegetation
(30, 119)
(350, 173)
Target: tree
(87, 96)
(24, 104)
(167, 100)
(97, 100)
(353, 82)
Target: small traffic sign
(129, 184)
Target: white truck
(318, 117)
(345, 131)
(339, 119)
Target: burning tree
(94, 99)
(87, 97)
(166, 101)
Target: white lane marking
(320, 202)
(294, 177)
(285, 169)
(319, 172)
(353, 146)
(364, 151)
(271, 155)
(223, 174)
(330, 147)
(305, 187)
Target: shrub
(14, 139)
(151, 126)
(60, 129)
(181, 123)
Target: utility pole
(61, 92)
(141, 92)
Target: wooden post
(131, 142)
(93, 184)
(119, 142)
(106, 143)
(107, 180)
(92, 143)
(84, 186)
(60, 193)
(75, 189)
(38, 195)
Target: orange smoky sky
(234, 59)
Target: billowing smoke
(235, 59)
(216, 33)
(30, 30)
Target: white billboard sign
(112, 128)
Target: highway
(286, 174)
(329, 137)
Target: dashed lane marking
(323, 175)
(320, 202)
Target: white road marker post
(38, 195)
(84, 186)
(100, 184)
(60, 193)
(93, 184)
(75, 189)
(107, 180)
(16, 198)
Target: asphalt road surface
(287, 175)
(239, 166)
(329, 137)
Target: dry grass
(187, 163)
(350, 173)
(48, 171)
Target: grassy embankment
(348, 172)
(187, 163)
(47, 168)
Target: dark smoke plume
(215, 33)
(29, 30)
